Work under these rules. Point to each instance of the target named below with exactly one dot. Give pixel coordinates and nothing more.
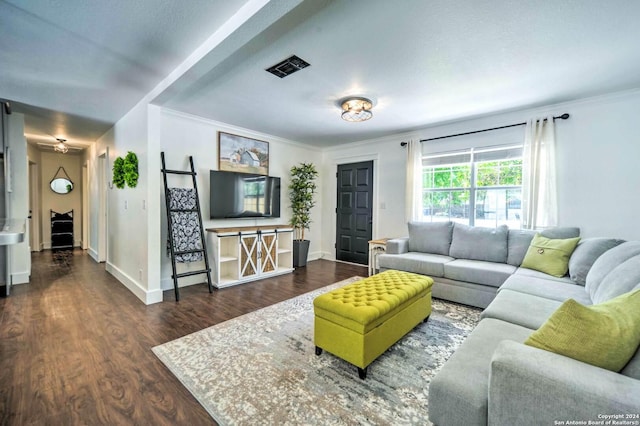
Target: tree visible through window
(476, 187)
(254, 194)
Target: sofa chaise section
(494, 378)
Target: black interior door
(354, 212)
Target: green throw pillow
(550, 256)
(605, 335)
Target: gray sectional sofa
(468, 264)
(493, 378)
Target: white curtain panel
(414, 181)
(539, 193)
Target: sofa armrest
(398, 245)
(530, 386)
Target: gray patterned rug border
(260, 368)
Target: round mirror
(61, 185)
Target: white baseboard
(331, 256)
(147, 297)
(93, 254)
(167, 283)
(20, 277)
(328, 255)
(315, 255)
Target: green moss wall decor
(131, 169)
(118, 173)
(125, 171)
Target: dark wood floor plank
(75, 345)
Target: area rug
(261, 368)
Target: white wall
(18, 199)
(183, 135)
(126, 208)
(389, 164)
(597, 153)
(61, 203)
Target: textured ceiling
(421, 62)
(81, 65)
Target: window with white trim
(477, 186)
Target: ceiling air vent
(288, 67)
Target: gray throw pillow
(478, 243)
(586, 253)
(520, 239)
(430, 237)
(561, 232)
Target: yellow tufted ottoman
(360, 321)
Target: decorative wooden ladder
(172, 249)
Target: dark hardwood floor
(75, 344)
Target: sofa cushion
(541, 275)
(607, 262)
(479, 272)
(478, 243)
(622, 279)
(419, 263)
(549, 289)
(522, 309)
(430, 237)
(467, 293)
(459, 393)
(605, 335)
(632, 369)
(588, 250)
(520, 239)
(550, 255)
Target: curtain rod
(563, 117)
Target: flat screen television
(241, 195)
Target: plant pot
(300, 252)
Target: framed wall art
(243, 155)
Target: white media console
(243, 254)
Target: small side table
(376, 247)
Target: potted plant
(301, 195)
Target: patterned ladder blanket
(185, 225)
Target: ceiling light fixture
(61, 146)
(356, 109)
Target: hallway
(75, 344)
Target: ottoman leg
(362, 373)
(425, 320)
(318, 350)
